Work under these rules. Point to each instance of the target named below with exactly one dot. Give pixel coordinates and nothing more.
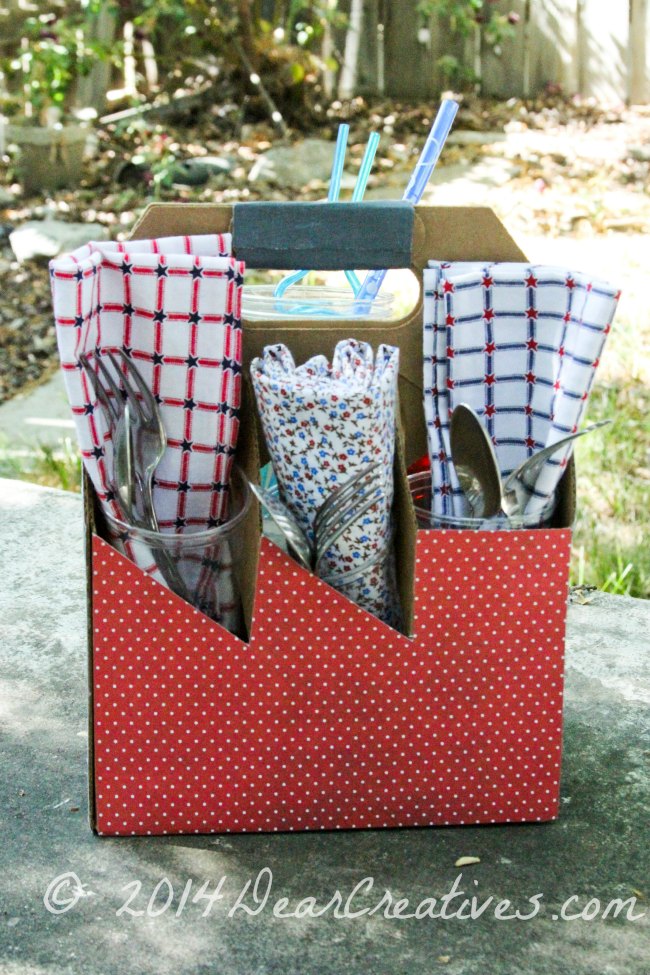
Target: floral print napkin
(325, 422)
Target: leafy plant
(464, 15)
(55, 52)
(455, 72)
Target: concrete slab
(39, 416)
(116, 890)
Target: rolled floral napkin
(520, 344)
(324, 423)
(173, 306)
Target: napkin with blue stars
(323, 423)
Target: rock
(197, 170)
(131, 173)
(193, 171)
(348, 181)
(216, 165)
(7, 199)
(295, 165)
(189, 172)
(47, 238)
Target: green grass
(611, 549)
(58, 467)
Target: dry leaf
(466, 861)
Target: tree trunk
(91, 90)
(246, 39)
(348, 79)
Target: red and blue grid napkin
(173, 305)
(520, 344)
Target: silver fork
(344, 506)
(347, 504)
(287, 523)
(118, 419)
(139, 443)
(117, 413)
(147, 429)
(519, 486)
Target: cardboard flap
(461, 234)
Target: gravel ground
(27, 342)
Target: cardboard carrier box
(325, 717)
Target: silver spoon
(518, 487)
(475, 462)
(287, 523)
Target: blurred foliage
(466, 18)
(56, 47)
(42, 55)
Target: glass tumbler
(420, 490)
(203, 567)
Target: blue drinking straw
(413, 192)
(358, 193)
(333, 195)
(366, 166)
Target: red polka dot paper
(329, 719)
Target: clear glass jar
(202, 567)
(420, 490)
(317, 302)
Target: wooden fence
(598, 48)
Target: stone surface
(467, 137)
(48, 238)
(214, 164)
(596, 850)
(296, 165)
(39, 417)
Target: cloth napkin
(173, 305)
(520, 344)
(324, 422)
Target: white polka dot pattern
(329, 719)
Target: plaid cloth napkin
(323, 424)
(520, 344)
(173, 305)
